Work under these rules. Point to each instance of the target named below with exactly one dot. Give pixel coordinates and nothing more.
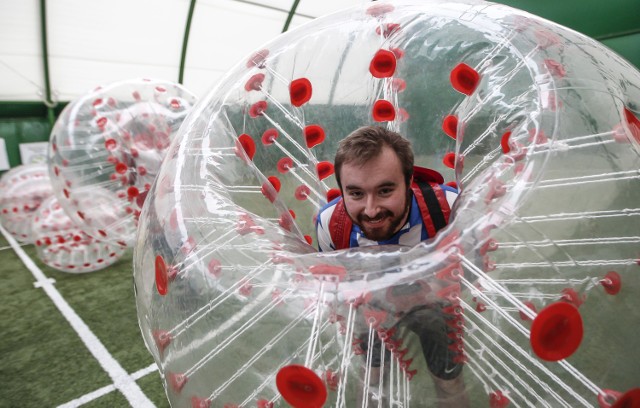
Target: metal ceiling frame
(49, 103)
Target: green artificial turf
(43, 362)
(151, 385)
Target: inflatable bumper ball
(528, 297)
(109, 144)
(64, 246)
(22, 190)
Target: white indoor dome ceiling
(74, 45)
(94, 42)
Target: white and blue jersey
(412, 233)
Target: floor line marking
(85, 399)
(121, 380)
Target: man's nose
(371, 208)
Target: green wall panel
(23, 130)
(627, 46)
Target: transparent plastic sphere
(22, 190)
(533, 284)
(62, 245)
(112, 141)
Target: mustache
(378, 216)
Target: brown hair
(366, 143)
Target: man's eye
(385, 191)
(355, 194)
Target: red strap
(442, 199)
(424, 211)
(428, 175)
(340, 226)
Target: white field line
(85, 399)
(121, 380)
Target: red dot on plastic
(301, 387)
(101, 122)
(383, 64)
(174, 103)
(162, 339)
(504, 142)
(570, 295)
(263, 403)
(531, 306)
(630, 399)
(403, 115)
(383, 111)
(285, 164)
(133, 191)
(214, 267)
(258, 59)
(177, 381)
(254, 83)
(379, 9)
(398, 84)
(247, 144)
(161, 275)
(556, 332)
(121, 168)
(464, 79)
(633, 123)
(285, 221)
(110, 144)
(324, 169)
(449, 160)
(498, 399)
(313, 135)
(300, 91)
(399, 53)
(308, 239)
(450, 126)
(275, 182)
(271, 193)
(269, 136)
(387, 29)
(257, 109)
(611, 282)
(332, 194)
(452, 184)
(302, 192)
(556, 68)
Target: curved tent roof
(53, 51)
(95, 42)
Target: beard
(387, 230)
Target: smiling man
(387, 201)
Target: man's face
(375, 195)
